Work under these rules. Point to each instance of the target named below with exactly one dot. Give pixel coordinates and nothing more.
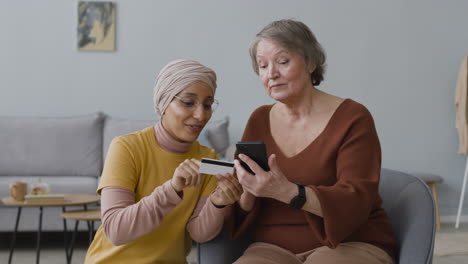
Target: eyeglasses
(190, 103)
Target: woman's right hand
(186, 175)
(247, 201)
(228, 190)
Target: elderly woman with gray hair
(319, 202)
(153, 199)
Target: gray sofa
(408, 202)
(67, 153)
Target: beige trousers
(349, 253)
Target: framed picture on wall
(96, 25)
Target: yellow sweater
(137, 162)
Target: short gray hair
(295, 37)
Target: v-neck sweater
(342, 165)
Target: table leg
(13, 239)
(65, 234)
(90, 234)
(39, 231)
(72, 243)
(92, 230)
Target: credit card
(213, 167)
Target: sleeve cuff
(170, 192)
(214, 208)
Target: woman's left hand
(271, 184)
(227, 192)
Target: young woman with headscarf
(153, 200)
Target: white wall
(399, 58)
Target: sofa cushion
(216, 132)
(214, 135)
(51, 146)
(114, 127)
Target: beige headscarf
(175, 77)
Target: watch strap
(301, 189)
(298, 201)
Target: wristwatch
(299, 200)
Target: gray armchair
(406, 199)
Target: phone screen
(255, 151)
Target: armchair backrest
(410, 207)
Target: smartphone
(255, 151)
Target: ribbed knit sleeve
(348, 203)
(124, 220)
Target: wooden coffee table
(71, 199)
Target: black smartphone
(255, 151)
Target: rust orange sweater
(342, 165)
